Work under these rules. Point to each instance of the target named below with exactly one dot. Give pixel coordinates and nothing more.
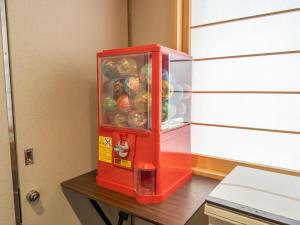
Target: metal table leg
(100, 212)
(123, 216)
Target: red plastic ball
(123, 103)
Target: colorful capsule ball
(120, 120)
(142, 101)
(132, 85)
(165, 74)
(108, 104)
(115, 88)
(146, 73)
(106, 117)
(127, 66)
(164, 110)
(137, 119)
(109, 69)
(167, 90)
(106, 87)
(123, 103)
(178, 93)
(168, 111)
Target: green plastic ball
(108, 103)
(146, 73)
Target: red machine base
(144, 199)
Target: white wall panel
(268, 148)
(267, 34)
(250, 110)
(274, 33)
(265, 73)
(208, 11)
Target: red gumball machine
(144, 121)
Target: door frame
(10, 114)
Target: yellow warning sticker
(105, 149)
(123, 163)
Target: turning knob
(33, 196)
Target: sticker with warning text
(105, 149)
(123, 163)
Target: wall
(6, 190)
(150, 22)
(246, 81)
(53, 47)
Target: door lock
(28, 156)
(33, 196)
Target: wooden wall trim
(248, 92)
(247, 128)
(181, 25)
(248, 55)
(218, 168)
(208, 173)
(246, 18)
(185, 27)
(177, 18)
(129, 25)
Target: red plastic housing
(149, 161)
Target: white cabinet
(221, 216)
(254, 197)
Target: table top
(175, 210)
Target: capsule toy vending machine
(144, 96)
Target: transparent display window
(176, 91)
(125, 88)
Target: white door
(53, 47)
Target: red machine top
(140, 49)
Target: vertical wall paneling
(278, 112)
(246, 83)
(267, 34)
(266, 148)
(210, 11)
(264, 73)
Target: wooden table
(176, 210)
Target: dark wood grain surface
(176, 210)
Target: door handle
(33, 196)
